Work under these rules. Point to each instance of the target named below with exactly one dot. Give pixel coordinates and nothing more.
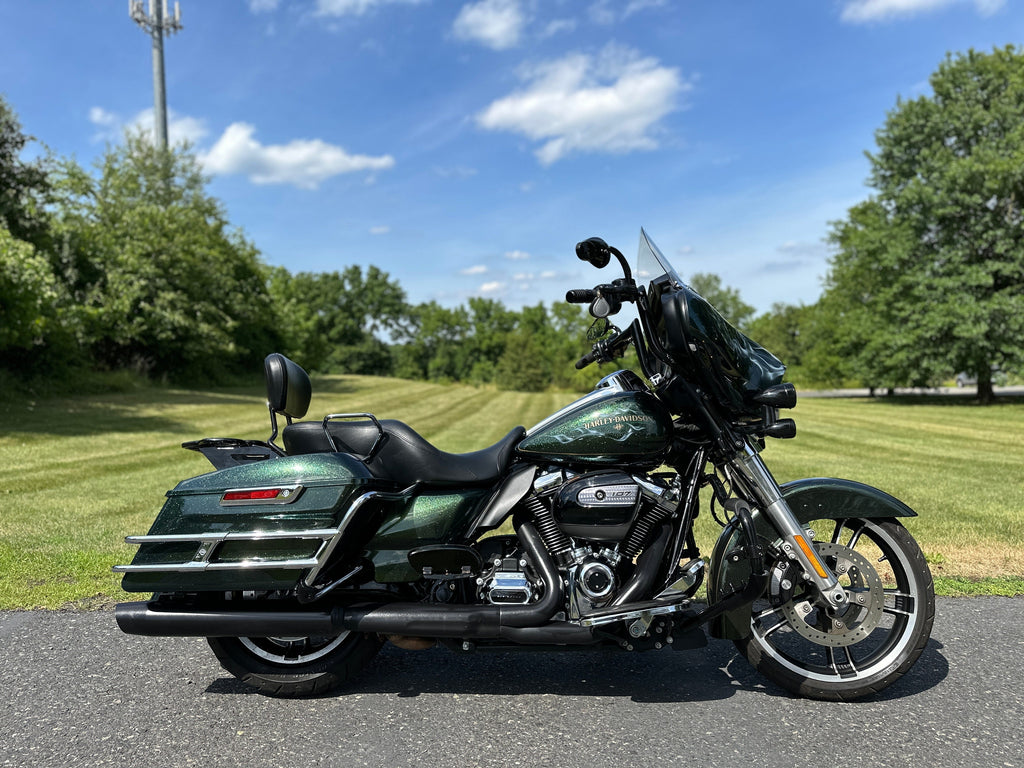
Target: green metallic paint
(816, 498)
(426, 519)
(330, 482)
(309, 470)
(622, 427)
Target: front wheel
(863, 648)
(295, 666)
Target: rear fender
(816, 498)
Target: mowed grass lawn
(78, 474)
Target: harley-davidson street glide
(297, 561)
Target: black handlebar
(587, 359)
(608, 349)
(580, 295)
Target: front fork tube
(755, 476)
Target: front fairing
(701, 345)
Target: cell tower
(157, 23)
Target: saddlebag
(256, 526)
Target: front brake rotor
(863, 610)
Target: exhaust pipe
(468, 621)
(415, 619)
(150, 619)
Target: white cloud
(180, 128)
(861, 11)
(497, 24)
(476, 269)
(548, 274)
(557, 26)
(381, 230)
(517, 255)
(302, 162)
(523, 276)
(608, 103)
(263, 6)
(100, 116)
(601, 12)
(354, 7)
(455, 171)
(492, 287)
(635, 6)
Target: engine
(506, 577)
(595, 525)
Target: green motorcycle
(298, 560)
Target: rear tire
(295, 666)
(858, 652)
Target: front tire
(295, 666)
(858, 652)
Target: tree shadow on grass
(118, 413)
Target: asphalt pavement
(77, 692)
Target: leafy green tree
(929, 274)
(24, 185)
(29, 298)
(490, 324)
(330, 320)
(723, 298)
(161, 281)
(782, 332)
(435, 344)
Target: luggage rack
(208, 543)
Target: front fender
(814, 498)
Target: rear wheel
(845, 654)
(295, 666)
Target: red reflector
(269, 493)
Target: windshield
(651, 264)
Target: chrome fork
(754, 475)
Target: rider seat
(403, 455)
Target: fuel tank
(619, 422)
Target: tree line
(927, 275)
(135, 266)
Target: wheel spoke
(852, 543)
(841, 661)
(902, 603)
(838, 530)
(767, 613)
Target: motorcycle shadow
(930, 669)
(713, 673)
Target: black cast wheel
(841, 655)
(295, 666)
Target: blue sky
(465, 147)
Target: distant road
(965, 392)
(77, 692)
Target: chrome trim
(325, 554)
(204, 565)
(645, 613)
(320, 533)
(751, 470)
(209, 541)
(294, 491)
(377, 444)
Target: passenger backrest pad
(288, 386)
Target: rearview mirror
(594, 251)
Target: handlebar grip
(586, 360)
(580, 295)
